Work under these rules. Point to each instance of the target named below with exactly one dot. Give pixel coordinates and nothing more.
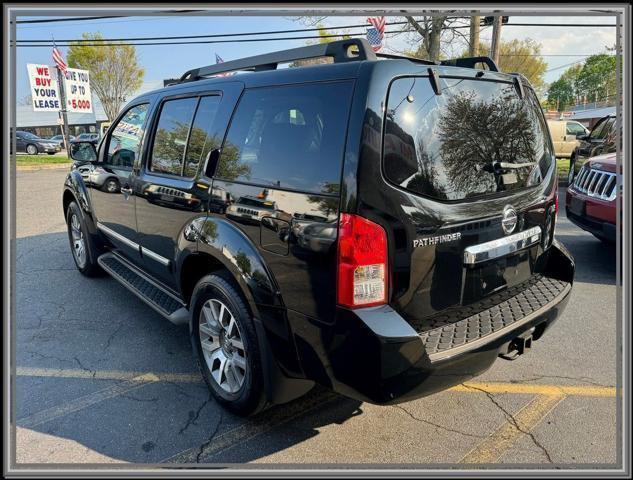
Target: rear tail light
(362, 262)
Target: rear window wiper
(505, 165)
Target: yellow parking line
(502, 439)
(104, 374)
(535, 389)
(86, 400)
(469, 387)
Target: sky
(560, 45)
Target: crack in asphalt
(48, 357)
(136, 399)
(193, 416)
(112, 335)
(208, 442)
(94, 372)
(511, 419)
(442, 427)
(581, 379)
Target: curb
(50, 166)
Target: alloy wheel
(222, 345)
(79, 243)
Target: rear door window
(291, 137)
(170, 139)
(477, 138)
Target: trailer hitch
(518, 346)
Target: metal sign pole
(62, 91)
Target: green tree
(597, 78)
(114, 69)
(519, 56)
(561, 94)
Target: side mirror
(83, 152)
(582, 137)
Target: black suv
(601, 139)
(427, 194)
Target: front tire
(82, 245)
(226, 347)
(112, 185)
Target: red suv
(590, 201)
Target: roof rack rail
(341, 51)
(404, 57)
(470, 62)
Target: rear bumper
(374, 355)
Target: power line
(71, 19)
(274, 32)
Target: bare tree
(426, 35)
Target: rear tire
(225, 344)
(82, 245)
(31, 150)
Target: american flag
(218, 59)
(59, 59)
(376, 32)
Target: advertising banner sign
(44, 89)
(77, 88)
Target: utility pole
(64, 112)
(496, 38)
(474, 35)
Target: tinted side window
(124, 144)
(203, 137)
(171, 135)
(290, 137)
(599, 129)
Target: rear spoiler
(471, 62)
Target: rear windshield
(476, 138)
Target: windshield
(477, 137)
(252, 202)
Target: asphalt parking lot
(101, 378)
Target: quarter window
(203, 137)
(124, 144)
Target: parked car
(32, 144)
(434, 267)
(59, 140)
(564, 133)
(601, 139)
(87, 137)
(591, 197)
(251, 209)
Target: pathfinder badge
(424, 242)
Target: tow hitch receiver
(518, 346)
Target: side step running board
(150, 292)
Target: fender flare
(75, 184)
(224, 242)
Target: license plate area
(493, 276)
(577, 206)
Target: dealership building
(48, 124)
